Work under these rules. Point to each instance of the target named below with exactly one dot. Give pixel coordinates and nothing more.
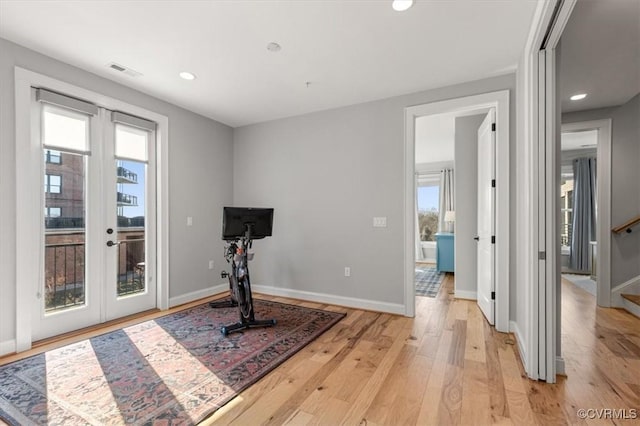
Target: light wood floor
(445, 366)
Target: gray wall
(328, 174)
(200, 178)
(466, 201)
(625, 175)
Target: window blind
(132, 120)
(43, 95)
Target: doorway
(91, 208)
(99, 180)
(471, 105)
(435, 187)
(581, 141)
(554, 91)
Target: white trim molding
(466, 294)
(560, 366)
(475, 104)
(633, 281)
(198, 294)
(7, 347)
(540, 128)
(350, 302)
(28, 221)
(631, 286)
(520, 341)
(603, 184)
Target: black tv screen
(236, 219)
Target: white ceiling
(600, 54)
(349, 51)
(435, 138)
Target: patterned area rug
(428, 280)
(176, 369)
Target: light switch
(380, 222)
(189, 221)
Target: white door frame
(539, 215)
(603, 185)
(28, 218)
(464, 106)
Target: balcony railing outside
(78, 222)
(127, 175)
(127, 200)
(65, 266)
(131, 266)
(64, 275)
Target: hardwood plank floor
(445, 366)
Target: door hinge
(542, 255)
(493, 183)
(493, 295)
(493, 239)
(493, 127)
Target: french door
(97, 251)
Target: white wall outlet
(211, 263)
(347, 271)
(189, 221)
(380, 222)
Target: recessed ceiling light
(273, 47)
(578, 97)
(401, 5)
(187, 75)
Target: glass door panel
(131, 227)
(130, 260)
(65, 234)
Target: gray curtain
(446, 197)
(583, 226)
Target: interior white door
(486, 217)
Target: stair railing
(627, 226)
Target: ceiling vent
(124, 70)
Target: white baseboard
(350, 302)
(631, 307)
(633, 281)
(7, 347)
(198, 294)
(560, 369)
(466, 294)
(513, 328)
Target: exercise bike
(237, 254)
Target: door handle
(476, 238)
(111, 244)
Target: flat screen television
(236, 219)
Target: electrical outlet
(347, 271)
(211, 263)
